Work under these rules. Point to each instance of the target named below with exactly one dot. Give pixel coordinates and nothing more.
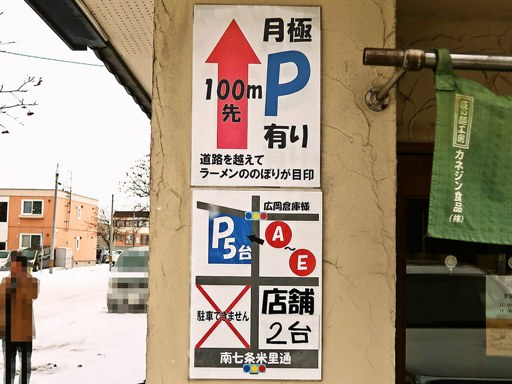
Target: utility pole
(134, 228)
(111, 235)
(41, 254)
(52, 244)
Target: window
(3, 246)
(77, 243)
(3, 212)
(144, 239)
(452, 316)
(78, 213)
(128, 239)
(120, 223)
(143, 223)
(30, 240)
(32, 207)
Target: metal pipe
(377, 99)
(52, 243)
(395, 58)
(382, 93)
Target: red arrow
(233, 53)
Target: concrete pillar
(358, 183)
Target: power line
(51, 59)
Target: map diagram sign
(256, 96)
(256, 285)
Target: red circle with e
(278, 234)
(302, 262)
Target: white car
(128, 283)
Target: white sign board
(256, 96)
(498, 316)
(256, 285)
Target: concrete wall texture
(358, 164)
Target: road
(77, 340)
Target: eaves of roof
(74, 24)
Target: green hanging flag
(471, 190)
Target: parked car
(450, 336)
(128, 283)
(5, 257)
(37, 257)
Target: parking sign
(256, 96)
(256, 286)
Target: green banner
(471, 190)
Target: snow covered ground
(77, 340)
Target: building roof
(131, 214)
(120, 32)
(38, 192)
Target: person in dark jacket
(17, 294)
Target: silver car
(128, 283)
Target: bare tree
(102, 223)
(12, 102)
(137, 183)
(12, 99)
(132, 229)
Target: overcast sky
(84, 120)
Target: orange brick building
(26, 217)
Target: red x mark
(223, 318)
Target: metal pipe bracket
(377, 98)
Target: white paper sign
(256, 285)
(256, 96)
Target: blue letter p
(274, 88)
